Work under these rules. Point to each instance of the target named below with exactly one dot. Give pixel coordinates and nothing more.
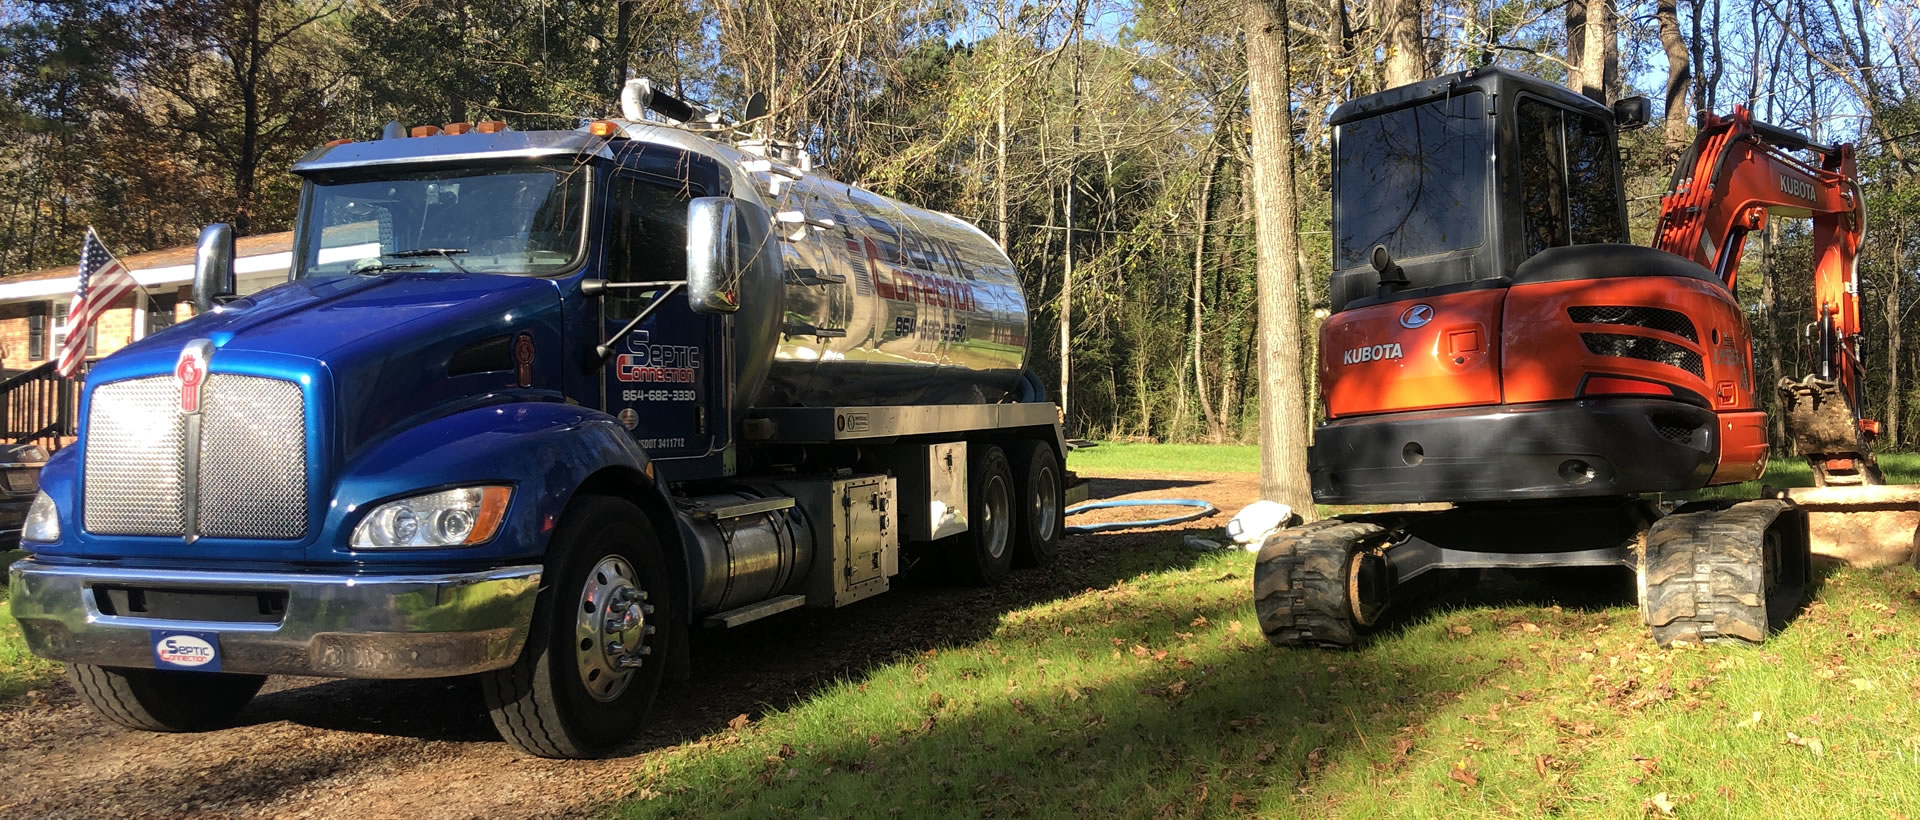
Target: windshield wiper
(446, 253)
(383, 267)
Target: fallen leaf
(1073, 693)
(1266, 752)
(738, 723)
(1237, 801)
(1861, 684)
(1139, 651)
(1463, 774)
(1812, 744)
(1660, 801)
(936, 700)
(787, 750)
(1460, 629)
(1200, 621)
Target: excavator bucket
(1826, 430)
(1869, 526)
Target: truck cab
(537, 406)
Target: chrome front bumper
(338, 626)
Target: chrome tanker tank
(872, 302)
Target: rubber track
(1705, 574)
(1300, 584)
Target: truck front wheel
(597, 650)
(159, 700)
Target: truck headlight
(43, 520)
(449, 518)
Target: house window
(36, 331)
(60, 331)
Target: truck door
(663, 377)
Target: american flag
(102, 281)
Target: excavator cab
(1456, 181)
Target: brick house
(33, 306)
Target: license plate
(193, 651)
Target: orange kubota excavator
(1496, 343)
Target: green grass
(20, 670)
(1125, 457)
(1157, 696)
(1898, 468)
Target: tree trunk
(246, 164)
(1283, 443)
(1199, 278)
(1400, 25)
(1678, 74)
(1893, 340)
(1599, 57)
(1576, 43)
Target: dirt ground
(323, 748)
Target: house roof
(252, 254)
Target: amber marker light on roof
(456, 128)
(340, 141)
(604, 128)
(424, 131)
(490, 126)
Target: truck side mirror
(1632, 112)
(717, 256)
(213, 280)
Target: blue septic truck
(538, 406)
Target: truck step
(753, 612)
(744, 508)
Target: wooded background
(1107, 144)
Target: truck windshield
(523, 219)
(1413, 180)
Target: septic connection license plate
(194, 651)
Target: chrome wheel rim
(1046, 509)
(611, 629)
(995, 511)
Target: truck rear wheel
(1042, 509)
(984, 553)
(160, 700)
(597, 649)
(1715, 572)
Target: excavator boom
(1737, 173)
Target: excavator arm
(1739, 171)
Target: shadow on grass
(762, 666)
(1104, 489)
(1211, 724)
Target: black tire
(1040, 488)
(563, 697)
(984, 553)
(1307, 580)
(1724, 573)
(162, 700)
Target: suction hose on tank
(1204, 509)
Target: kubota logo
(1373, 353)
(1416, 316)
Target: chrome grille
(135, 458)
(253, 459)
(252, 472)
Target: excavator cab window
(1569, 185)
